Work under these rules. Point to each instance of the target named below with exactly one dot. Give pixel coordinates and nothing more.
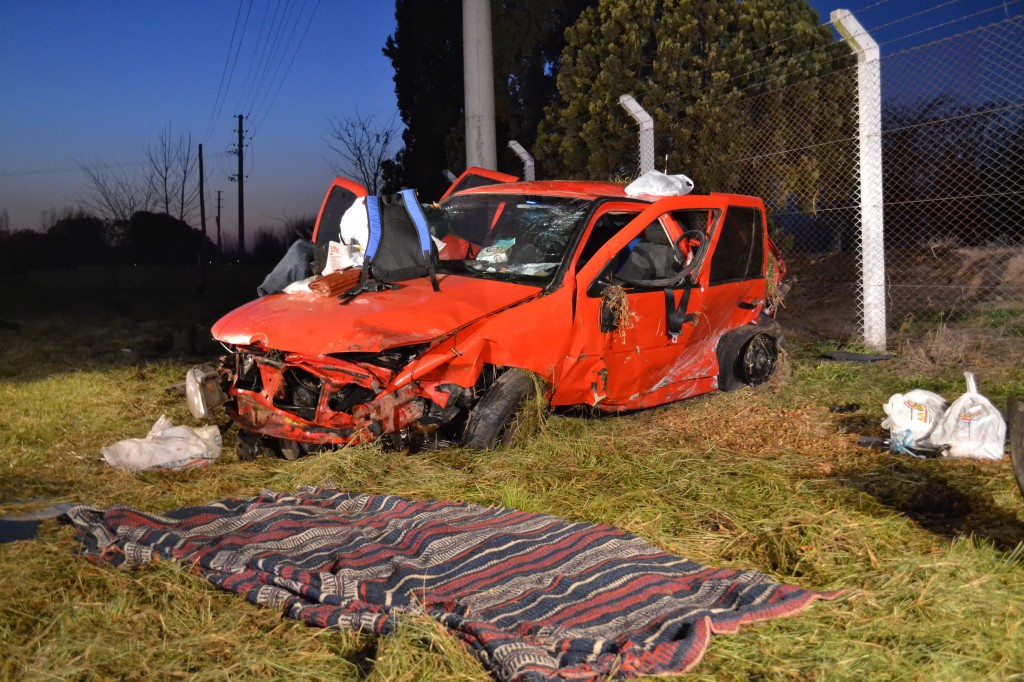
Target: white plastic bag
(912, 418)
(972, 426)
(658, 184)
(166, 447)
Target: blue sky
(82, 82)
(87, 82)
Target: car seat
(652, 258)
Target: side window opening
(663, 252)
(739, 254)
(606, 227)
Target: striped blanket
(535, 597)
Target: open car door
(477, 177)
(340, 197)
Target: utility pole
(202, 222)
(241, 188)
(219, 245)
(478, 72)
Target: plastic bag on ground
(166, 447)
(912, 418)
(656, 183)
(972, 426)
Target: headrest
(655, 234)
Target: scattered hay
(614, 299)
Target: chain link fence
(951, 143)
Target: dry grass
(929, 551)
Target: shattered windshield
(514, 237)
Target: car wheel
(503, 415)
(747, 356)
(760, 355)
(289, 449)
(250, 446)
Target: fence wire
(952, 147)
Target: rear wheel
(748, 355)
(757, 363)
(506, 412)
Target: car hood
(311, 324)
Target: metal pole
(526, 158)
(241, 191)
(478, 70)
(872, 231)
(646, 123)
(202, 222)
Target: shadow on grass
(945, 501)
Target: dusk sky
(96, 82)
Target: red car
(574, 288)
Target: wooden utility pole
(220, 247)
(202, 222)
(241, 189)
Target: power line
(273, 62)
(234, 63)
(223, 72)
(260, 54)
(287, 71)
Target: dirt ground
(929, 283)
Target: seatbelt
(676, 315)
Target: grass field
(929, 552)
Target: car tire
(502, 415)
(250, 446)
(747, 356)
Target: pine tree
(719, 77)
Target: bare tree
(5, 222)
(172, 164)
(115, 193)
(364, 146)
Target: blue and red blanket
(535, 597)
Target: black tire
(502, 414)
(747, 356)
(250, 446)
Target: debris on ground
(922, 423)
(167, 447)
(862, 358)
(972, 426)
(912, 417)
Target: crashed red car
(596, 297)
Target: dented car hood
(311, 324)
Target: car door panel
(641, 364)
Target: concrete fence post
(869, 103)
(526, 158)
(646, 123)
